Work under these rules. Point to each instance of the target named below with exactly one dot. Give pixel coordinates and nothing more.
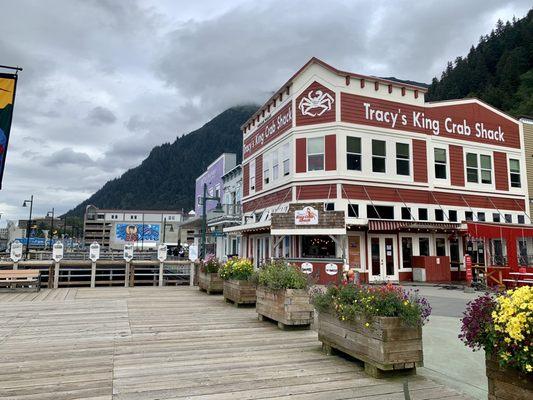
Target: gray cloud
(104, 81)
(101, 116)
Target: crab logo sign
(57, 252)
(332, 269)
(316, 103)
(307, 216)
(94, 251)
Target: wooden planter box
(210, 282)
(289, 307)
(239, 292)
(507, 383)
(386, 346)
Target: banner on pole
(8, 84)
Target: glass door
(383, 260)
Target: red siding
(259, 173)
(246, 179)
(331, 152)
(316, 192)
(353, 111)
(428, 197)
(327, 116)
(500, 171)
(301, 155)
(457, 166)
(420, 161)
(281, 196)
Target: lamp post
(51, 214)
(25, 204)
(218, 209)
(165, 228)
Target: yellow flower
(529, 368)
(367, 324)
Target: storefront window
(407, 252)
(318, 247)
(454, 253)
(423, 246)
(315, 154)
(440, 247)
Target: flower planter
(507, 383)
(239, 292)
(210, 282)
(386, 346)
(289, 307)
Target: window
(315, 154)
(353, 210)
(495, 217)
(514, 171)
(252, 175)
(440, 247)
(471, 168)
(439, 215)
(486, 169)
(481, 216)
(353, 153)
(508, 218)
(286, 156)
(380, 212)
(452, 215)
(317, 246)
(469, 216)
(275, 165)
(329, 206)
(407, 252)
(423, 246)
(521, 219)
(379, 154)
(266, 171)
(402, 158)
(440, 163)
(423, 214)
(406, 213)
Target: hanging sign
(307, 216)
(162, 252)
(468, 268)
(94, 251)
(57, 251)
(193, 253)
(332, 269)
(307, 268)
(128, 252)
(16, 251)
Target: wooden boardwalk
(169, 343)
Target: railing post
(56, 275)
(16, 265)
(160, 274)
(127, 275)
(191, 274)
(93, 274)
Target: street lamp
(218, 209)
(48, 215)
(25, 204)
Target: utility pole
(51, 226)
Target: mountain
(166, 178)
(499, 70)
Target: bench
(26, 278)
(515, 282)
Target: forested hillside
(166, 178)
(499, 70)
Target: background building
(145, 228)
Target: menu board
(354, 251)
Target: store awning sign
(306, 216)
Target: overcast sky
(106, 80)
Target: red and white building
(344, 168)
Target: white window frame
(323, 153)
(408, 159)
(511, 173)
(377, 156)
(360, 154)
(445, 163)
(252, 175)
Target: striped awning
(380, 225)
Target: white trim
(309, 231)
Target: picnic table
(495, 275)
(520, 277)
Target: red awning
(383, 225)
(496, 231)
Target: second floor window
(286, 156)
(476, 168)
(266, 172)
(353, 153)
(402, 159)
(315, 154)
(275, 166)
(514, 171)
(440, 163)
(379, 156)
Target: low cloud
(101, 116)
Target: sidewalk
(446, 359)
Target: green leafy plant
(351, 302)
(240, 269)
(280, 275)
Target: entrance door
(383, 259)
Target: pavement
(446, 359)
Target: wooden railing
(84, 273)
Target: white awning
(308, 231)
(262, 225)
